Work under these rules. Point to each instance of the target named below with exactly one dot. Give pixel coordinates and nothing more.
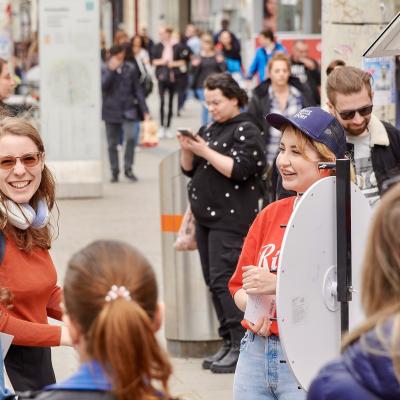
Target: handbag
(149, 133)
(147, 85)
(186, 239)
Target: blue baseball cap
(317, 124)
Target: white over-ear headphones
(23, 216)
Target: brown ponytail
(119, 333)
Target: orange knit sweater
(31, 278)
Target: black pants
(29, 368)
(163, 88)
(219, 253)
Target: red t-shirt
(32, 280)
(262, 245)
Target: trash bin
(191, 325)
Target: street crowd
(255, 154)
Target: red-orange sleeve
(54, 304)
(29, 333)
(248, 256)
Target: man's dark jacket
(123, 96)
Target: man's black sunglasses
(363, 111)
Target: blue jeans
(204, 111)
(260, 373)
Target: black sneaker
(224, 349)
(114, 179)
(131, 176)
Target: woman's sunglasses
(363, 111)
(28, 160)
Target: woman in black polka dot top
(225, 162)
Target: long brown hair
(26, 239)
(119, 333)
(380, 285)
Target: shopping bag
(186, 239)
(148, 134)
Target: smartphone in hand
(187, 133)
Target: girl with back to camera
(309, 137)
(26, 268)
(111, 310)
(369, 367)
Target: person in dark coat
(124, 105)
(369, 367)
(225, 162)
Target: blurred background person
(180, 68)
(121, 38)
(193, 39)
(148, 42)
(7, 85)
(162, 57)
(225, 161)
(124, 106)
(306, 69)
(225, 27)
(139, 56)
(369, 367)
(268, 47)
(231, 53)
(204, 65)
(281, 93)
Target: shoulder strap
(2, 246)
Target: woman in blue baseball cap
(309, 137)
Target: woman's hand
(198, 146)
(261, 327)
(257, 280)
(65, 337)
(184, 142)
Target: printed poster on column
(70, 77)
(382, 70)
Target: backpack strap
(2, 246)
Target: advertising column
(70, 94)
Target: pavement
(130, 212)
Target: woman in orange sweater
(26, 269)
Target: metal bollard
(191, 325)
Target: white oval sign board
(308, 313)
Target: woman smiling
(26, 269)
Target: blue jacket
(123, 96)
(358, 374)
(261, 60)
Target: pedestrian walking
(225, 162)
(310, 136)
(204, 65)
(124, 106)
(27, 271)
(112, 312)
(369, 365)
(163, 56)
